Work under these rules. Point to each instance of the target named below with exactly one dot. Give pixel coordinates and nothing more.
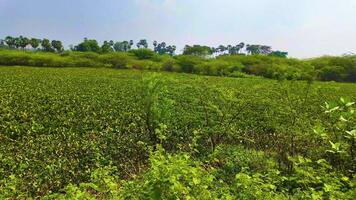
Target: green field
(172, 135)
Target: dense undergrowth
(328, 68)
(97, 133)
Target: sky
(304, 28)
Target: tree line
(92, 45)
(238, 49)
(23, 43)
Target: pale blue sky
(305, 28)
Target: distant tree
(17, 43)
(265, 49)
(253, 49)
(221, 49)
(23, 42)
(213, 50)
(35, 43)
(46, 45)
(122, 46)
(2, 43)
(171, 49)
(57, 45)
(197, 50)
(88, 45)
(258, 49)
(281, 54)
(107, 47)
(111, 42)
(163, 48)
(10, 41)
(229, 49)
(240, 46)
(142, 44)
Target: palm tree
(240, 46)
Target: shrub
(142, 53)
(116, 60)
(144, 64)
(332, 73)
(187, 62)
(232, 159)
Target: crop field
(127, 132)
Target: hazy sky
(305, 28)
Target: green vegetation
(341, 69)
(99, 133)
(231, 60)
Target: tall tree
(88, 45)
(10, 41)
(106, 47)
(171, 49)
(23, 42)
(57, 45)
(265, 49)
(122, 46)
(221, 49)
(142, 44)
(34, 42)
(155, 43)
(17, 42)
(111, 43)
(197, 50)
(2, 43)
(241, 46)
(163, 48)
(253, 49)
(46, 45)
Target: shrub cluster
(341, 69)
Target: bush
(232, 159)
(116, 60)
(144, 65)
(324, 68)
(187, 62)
(332, 73)
(142, 53)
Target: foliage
(123, 46)
(162, 48)
(88, 45)
(98, 133)
(142, 53)
(142, 44)
(273, 66)
(197, 50)
(340, 132)
(279, 54)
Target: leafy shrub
(231, 159)
(144, 65)
(339, 132)
(116, 60)
(143, 53)
(187, 62)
